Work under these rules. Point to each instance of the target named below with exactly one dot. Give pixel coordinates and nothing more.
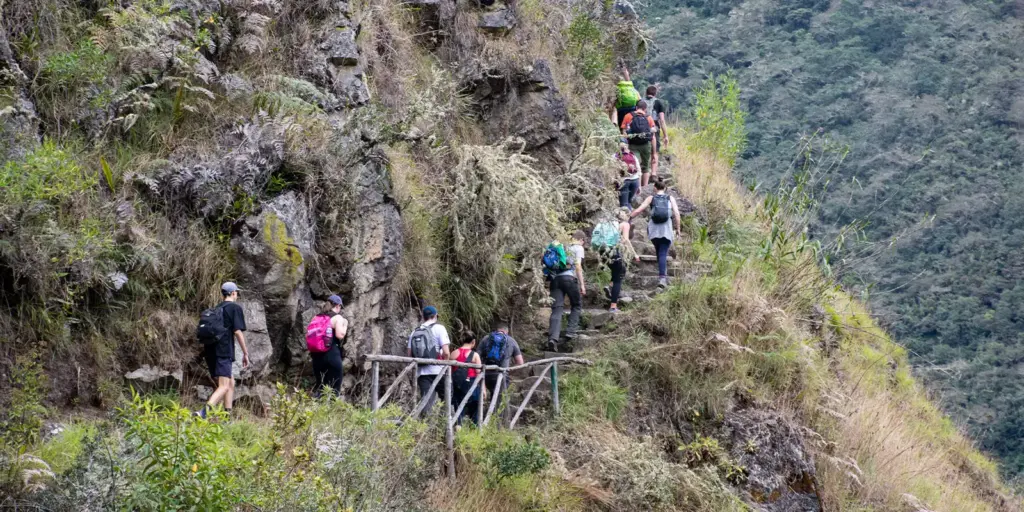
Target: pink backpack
(318, 334)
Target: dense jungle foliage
(927, 96)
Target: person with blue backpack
(429, 341)
(219, 328)
(610, 239)
(659, 228)
(564, 269)
(500, 349)
(324, 336)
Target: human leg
(572, 289)
(624, 194)
(618, 268)
(655, 152)
(643, 152)
(229, 396)
(662, 245)
(423, 382)
(633, 188)
(555, 323)
(333, 370)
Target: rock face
(527, 104)
(257, 340)
(19, 125)
(333, 59)
(152, 376)
(780, 467)
(498, 22)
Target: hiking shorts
(644, 152)
(218, 366)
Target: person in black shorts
(221, 355)
(327, 366)
(657, 110)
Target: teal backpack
(606, 236)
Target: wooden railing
(454, 411)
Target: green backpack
(627, 95)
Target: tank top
(464, 354)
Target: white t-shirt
(575, 253)
(441, 337)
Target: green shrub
(718, 119)
(586, 43)
(592, 393)
(515, 459)
(49, 173)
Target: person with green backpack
(610, 239)
(626, 96)
(659, 228)
(564, 269)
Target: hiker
(219, 328)
(658, 109)
(324, 336)
(565, 270)
(659, 228)
(630, 176)
(429, 341)
(639, 130)
(612, 239)
(500, 349)
(626, 97)
(462, 378)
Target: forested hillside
(928, 98)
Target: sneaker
(607, 292)
(551, 346)
(201, 413)
(613, 310)
(663, 282)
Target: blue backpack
(496, 349)
(555, 260)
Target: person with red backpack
(630, 176)
(639, 129)
(462, 378)
(324, 336)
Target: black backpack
(661, 208)
(639, 130)
(461, 374)
(211, 325)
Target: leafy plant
(514, 459)
(719, 122)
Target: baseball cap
(229, 287)
(429, 311)
(334, 299)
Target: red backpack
(319, 333)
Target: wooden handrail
(493, 367)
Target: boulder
(152, 377)
(261, 349)
(780, 467)
(625, 9)
(332, 61)
(340, 47)
(499, 21)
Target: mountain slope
(927, 97)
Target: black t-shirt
(234, 320)
(658, 108)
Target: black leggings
(618, 267)
(327, 370)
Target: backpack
(639, 129)
(423, 343)
(211, 327)
(555, 261)
(661, 208)
(497, 348)
(319, 334)
(627, 95)
(461, 374)
(632, 166)
(606, 236)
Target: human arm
(340, 326)
(675, 213)
(446, 350)
(626, 119)
(639, 209)
(625, 74)
(624, 229)
(240, 338)
(579, 270)
(664, 127)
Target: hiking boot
(607, 292)
(663, 283)
(551, 346)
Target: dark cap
(229, 287)
(334, 299)
(429, 311)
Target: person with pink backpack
(324, 336)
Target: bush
(49, 173)
(718, 119)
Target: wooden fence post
(482, 401)
(449, 427)
(375, 386)
(555, 405)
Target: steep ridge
(402, 153)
